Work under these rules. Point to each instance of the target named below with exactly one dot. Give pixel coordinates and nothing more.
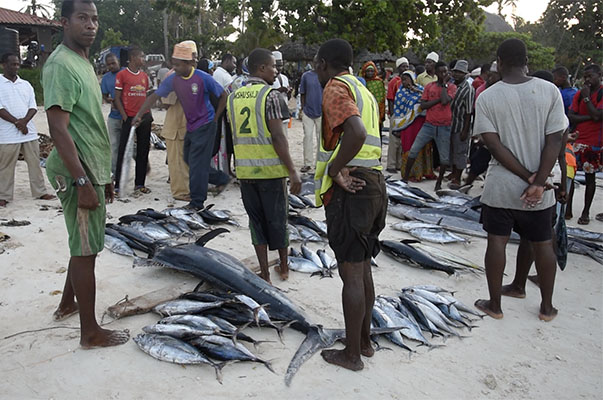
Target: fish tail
(218, 367)
(268, 365)
(237, 331)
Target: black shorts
(354, 220)
(266, 203)
(534, 226)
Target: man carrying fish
(262, 159)
(79, 166)
(193, 88)
(349, 182)
(521, 121)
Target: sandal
(143, 189)
(583, 221)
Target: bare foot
(513, 291)
(65, 311)
(339, 357)
(548, 316)
(283, 272)
(105, 338)
(484, 306)
(48, 196)
(365, 350)
(3, 203)
(534, 280)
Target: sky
(530, 10)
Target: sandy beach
(518, 357)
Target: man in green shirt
(79, 166)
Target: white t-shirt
(522, 115)
(285, 83)
(222, 77)
(17, 98)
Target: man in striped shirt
(462, 109)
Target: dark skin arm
(303, 100)
(444, 97)
(351, 143)
(466, 124)
(504, 155)
(221, 105)
(58, 121)
(281, 147)
(21, 124)
(552, 144)
(576, 119)
(594, 114)
(119, 105)
(146, 106)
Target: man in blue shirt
(311, 103)
(114, 118)
(561, 80)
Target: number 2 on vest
(245, 125)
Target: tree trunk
(165, 34)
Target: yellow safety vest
(255, 157)
(370, 153)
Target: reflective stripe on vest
(370, 153)
(255, 157)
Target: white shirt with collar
(281, 81)
(222, 77)
(17, 98)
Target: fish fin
(410, 241)
(317, 273)
(218, 367)
(237, 331)
(268, 364)
(208, 207)
(201, 282)
(210, 235)
(282, 328)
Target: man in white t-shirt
(18, 134)
(281, 83)
(223, 74)
(521, 120)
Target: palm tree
(503, 3)
(34, 7)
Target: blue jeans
(441, 135)
(198, 146)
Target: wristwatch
(586, 100)
(81, 181)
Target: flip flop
(599, 217)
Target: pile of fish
(224, 272)
(148, 229)
(305, 229)
(205, 328)
(300, 201)
(415, 253)
(436, 220)
(422, 309)
(310, 262)
(581, 241)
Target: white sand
(517, 357)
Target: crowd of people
(518, 127)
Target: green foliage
(113, 38)
(484, 49)
(379, 25)
(574, 29)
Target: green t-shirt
(69, 82)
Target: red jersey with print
(134, 87)
(589, 132)
(439, 114)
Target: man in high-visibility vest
(262, 159)
(349, 182)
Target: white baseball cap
(278, 56)
(433, 56)
(401, 61)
